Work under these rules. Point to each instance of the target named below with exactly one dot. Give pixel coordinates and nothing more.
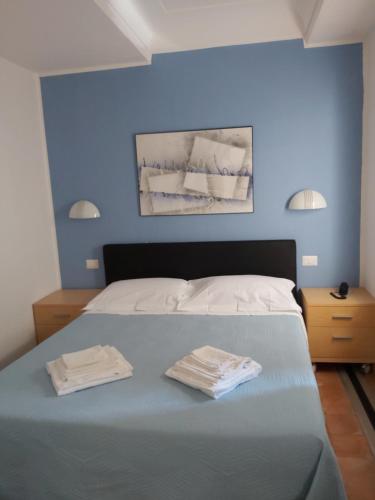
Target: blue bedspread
(152, 438)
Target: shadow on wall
(17, 353)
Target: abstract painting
(196, 172)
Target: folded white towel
(110, 356)
(232, 365)
(63, 390)
(114, 362)
(217, 359)
(85, 357)
(114, 367)
(216, 372)
(212, 388)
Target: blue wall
(306, 109)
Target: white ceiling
(342, 21)
(192, 24)
(63, 36)
(51, 35)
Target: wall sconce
(84, 209)
(307, 200)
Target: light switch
(309, 260)
(92, 264)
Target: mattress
(152, 438)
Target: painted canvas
(196, 172)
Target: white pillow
(243, 293)
(146, 294)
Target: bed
(152, 438)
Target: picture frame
(196, 172)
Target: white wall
(28, 251)
(368, 175)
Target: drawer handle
(339, 337)
(342, 316)
(61, 316)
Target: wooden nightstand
(340, 331)
(58, 309)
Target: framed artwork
(196, 172)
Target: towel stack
(213, 371)
(87, 368)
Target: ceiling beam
(130, 24)
(312, 21)
(306, 13)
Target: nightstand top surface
(322, 297)
(76, 297)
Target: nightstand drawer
(341, 342)
(341, 316)
(45, 331)
(56, 315)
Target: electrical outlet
(309, 260)
(92, 264)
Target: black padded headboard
(200, 259)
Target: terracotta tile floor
(350, 444)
